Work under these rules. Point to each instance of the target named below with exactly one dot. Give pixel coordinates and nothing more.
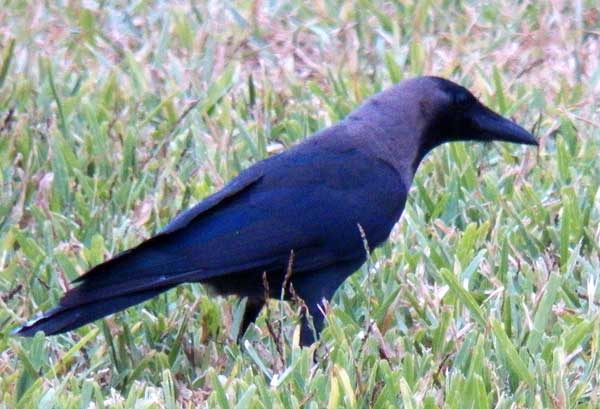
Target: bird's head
(452, 113)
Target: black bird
(309, 200)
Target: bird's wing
(219, 198)
(307, 200)
(237, 185)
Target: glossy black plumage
(309, 200)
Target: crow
(299, 219)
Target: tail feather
(65, 318)
(92, 292)
(125, 280)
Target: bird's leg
(310, 295)
(312, 289)
(308, 330)
(253, 307)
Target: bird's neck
(397, 142)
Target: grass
(116, 115)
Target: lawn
(116, 115)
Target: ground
(116, 115)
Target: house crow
(306, 207)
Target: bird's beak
(491, 126)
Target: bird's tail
(129, 278)
(68, 316)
